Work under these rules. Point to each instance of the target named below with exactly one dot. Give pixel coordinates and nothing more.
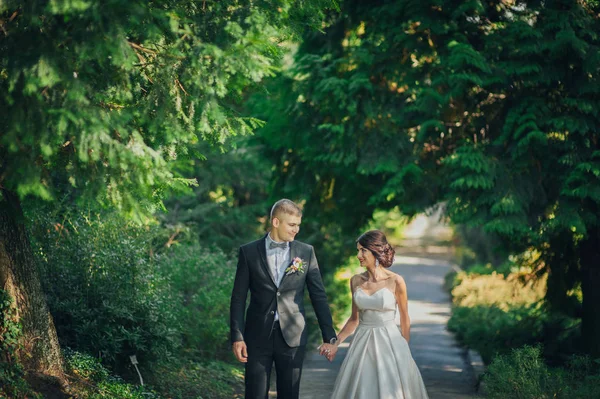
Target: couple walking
(276, 269)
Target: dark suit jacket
(253, 274)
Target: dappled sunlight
(417, 227)
(417, 261)
(427, 312)
(428, 279)
(449, 368)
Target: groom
(276, 269)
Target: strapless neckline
(375, 292)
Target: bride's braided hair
(376, 242)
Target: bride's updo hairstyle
(375, 241)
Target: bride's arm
(348, 329)
(402, 300)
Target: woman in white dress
(379, 364)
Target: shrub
(490, 330)
(93, 380)
(338, 290)
(84, 366)
(493, 314)
(201, 281)
(524, 374)
(521, 374)
(495, 289)
(202, 380)
(102, 285)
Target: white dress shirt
(278, 260)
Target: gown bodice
(377, 309)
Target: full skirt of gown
(378, 364)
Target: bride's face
(365, 256)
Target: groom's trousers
(288, 367)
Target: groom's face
(285, 227)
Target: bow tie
(282, 245)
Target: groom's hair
(285, 206)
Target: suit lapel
(262, 250)
(293, 254)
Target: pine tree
(99, 99)
(490, 107)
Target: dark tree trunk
(20, 278)
(590, 286)
(562, 260)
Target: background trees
(490, 108)
(100, 101)
(487, 108)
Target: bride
(379, 363)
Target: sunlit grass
(338, 290)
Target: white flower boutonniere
(297, 266)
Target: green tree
(230, 205)
(489, 107)
(98, 99)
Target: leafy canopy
(492, 107)
(103, 97)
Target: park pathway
(446, 371)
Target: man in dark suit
(276, 269)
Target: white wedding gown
(378, 364)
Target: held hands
(328, 350)
(240, 351)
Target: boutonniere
(297, 266)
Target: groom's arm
(238, 298)
(318, 297)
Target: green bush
(84, 366)
(103, 287)
(201, 380)
(338, 290)
(201, 281)
(490, 330)
(93, 380)
(115, 290)
(495, 289)
(493, 314)
(524, 374)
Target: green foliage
(392, 222)
(516, 289)
(491, 108)
(93, 380)
(115, 290)
(102, 98)
(12, 382)
(475, 246)
(103, 287)
(205, 380)
(494, 314)
(523, 374)
(85, 366)
(200, 280)
(338, 290)
(231, 204)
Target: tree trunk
(562, 260)
(590, 286)
(20, 278)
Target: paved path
(443, 366)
